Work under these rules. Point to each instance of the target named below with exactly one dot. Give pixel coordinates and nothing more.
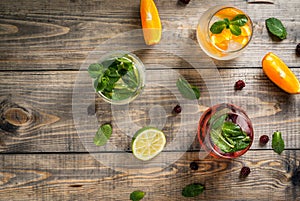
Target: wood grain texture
(81, 177)
(59, 35)
(46, 99)
(43, 45)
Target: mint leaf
(131, 79)
(218, 27)
(103, 134)
(227, 22)
(231, 129)
(230, 137)
(277, 142)
(235, 30)
(187, 91)
(196, 91)
(95, 70)
(220, 141)
(137, 195)
(239, 20)
(234, 25)
(219, 122)
(192, 190)
(276, 28)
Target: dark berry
(264, 139)
(185, 1)
(245, 171)
(177, 109)
(239, 85)
(296, 177)
(232, 117)
(194, 166)
(298, 50)
(91, 110)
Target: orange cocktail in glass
(223, 32)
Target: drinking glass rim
(251, 25)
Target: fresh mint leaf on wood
(137, 195)
(277, 142)
(187, 90)
(276, 28)
(233, 25)
(103, 134)
(192, 190)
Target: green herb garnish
(137, 195)
(233, 25)
(277, 142)
(276, 28)
(115, 78)
(229, 137)
(103, 134)
(192, 190)
(187, 90)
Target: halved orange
(150, 22)
(280, 74)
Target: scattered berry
(264, 139)
(177, 109)
(91, 110)
(245, 171)
(298, 50)
(239, 85)
(194, 166)
(296, 177)
(185, 1)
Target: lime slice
(147, 143)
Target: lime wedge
(147, 143)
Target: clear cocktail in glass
(120, 77)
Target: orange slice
(246, 30)
(243, 40)
(280, 74)
(223, 45)
(229, 13)
(150, 22)
(221, 40)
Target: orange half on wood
(150, 22)
(280, 74)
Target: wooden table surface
(43, 45)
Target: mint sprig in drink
(118, 77)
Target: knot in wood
(17, 116)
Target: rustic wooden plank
(81, 177)
(59, 35)
(36, 108)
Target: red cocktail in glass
(225, 131)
